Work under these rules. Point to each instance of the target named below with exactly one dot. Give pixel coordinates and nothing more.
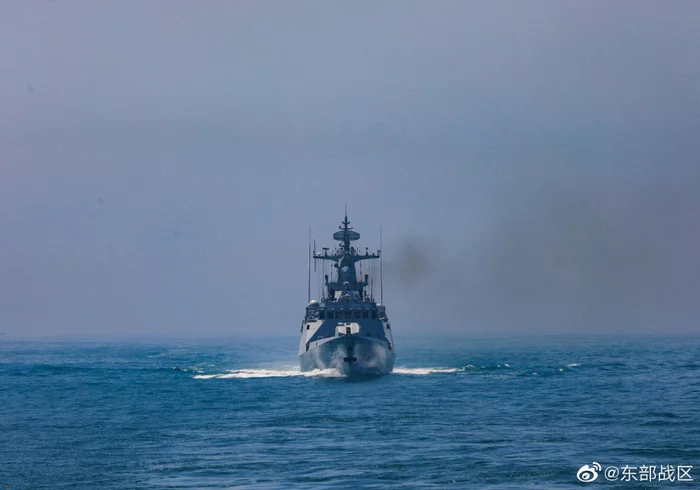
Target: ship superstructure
(346, 329)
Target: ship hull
(349, 355)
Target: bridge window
(322, 315)
(330, 315)
(365, 314)
(356, 314)
(348, 315)
(374, 314)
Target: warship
(346, 329)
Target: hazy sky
(535, 165)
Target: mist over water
(534, 168)
(569, 257)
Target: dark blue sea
(457, 412)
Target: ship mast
(345, 256)
(308, 293)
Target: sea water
(457, 412)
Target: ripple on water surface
(467, 413)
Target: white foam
(269, 373)
(424, 371)
(574, 364)
(324, 373)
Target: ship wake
(336, 372)
(270, 373)
(421, 371)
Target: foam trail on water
(323, 373)
(424, 371)
(269, 373)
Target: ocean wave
(324, 373)
(270, 373)
(424, 371)
(288, 372)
